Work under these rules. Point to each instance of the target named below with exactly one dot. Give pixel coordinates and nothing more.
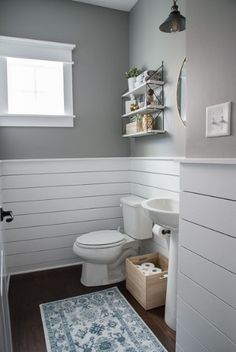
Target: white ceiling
(124, 5)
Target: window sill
(17, 120)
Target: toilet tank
(136, 223)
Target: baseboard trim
(45, 269)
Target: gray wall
(148, 47)
(101, 58)
(211, 53)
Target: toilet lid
(101, 238)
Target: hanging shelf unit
(157, 111)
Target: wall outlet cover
(218, 120)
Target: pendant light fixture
(175, 22)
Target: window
(35, 87)
(36, 84)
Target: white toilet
(104, 252)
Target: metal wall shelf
(155, 106)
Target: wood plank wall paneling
(52, 166)
(215, 213)
(56, 200)
(178, 348)
(213, 180)
(212, 277)
(152, 178)
(187, 341)
(207, 269)
(204, 331)
(208, 305)
(209, 244)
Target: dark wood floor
(29, 290)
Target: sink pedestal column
(171, 292)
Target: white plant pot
(131, 83)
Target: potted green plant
(131, 75)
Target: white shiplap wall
(206, 319)
(56, 200)
(155, 177)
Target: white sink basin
(163, 211)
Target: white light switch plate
(218, 118)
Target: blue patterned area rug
(96, 322)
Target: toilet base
(99, 275)
(106, 274)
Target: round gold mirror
(181, 92)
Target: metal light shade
(175, 22)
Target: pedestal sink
(165, 212)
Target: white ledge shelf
(24, 120)
(142, 88)
(144, 110)
(144, 133)
(219, 161)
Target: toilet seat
(100, 239)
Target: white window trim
(38, 50)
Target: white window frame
(38, 50)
